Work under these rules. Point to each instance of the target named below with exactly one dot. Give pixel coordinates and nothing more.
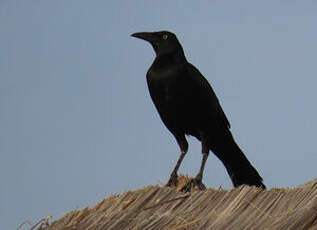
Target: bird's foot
(193, 183)
(173, 181)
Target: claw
(193, 183)
(173, 181)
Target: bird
(188, 106)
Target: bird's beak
(147, 36)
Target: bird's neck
(169, 59)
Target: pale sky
(77, 122)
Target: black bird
(188, 105)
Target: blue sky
(77, 122)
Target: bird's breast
(175, 99)
(163, 87)
(171, 98)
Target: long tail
(238, 166)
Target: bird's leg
(173, 181)
(197, 181)
(199, 176)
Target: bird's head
(163, 42)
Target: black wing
(206, 93)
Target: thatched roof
(155, 207)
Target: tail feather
(238, 166)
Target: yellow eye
(165, 36)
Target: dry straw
(156, 207)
